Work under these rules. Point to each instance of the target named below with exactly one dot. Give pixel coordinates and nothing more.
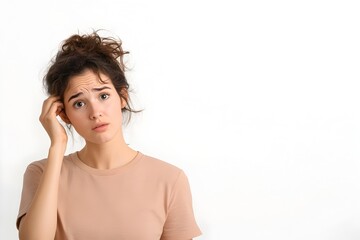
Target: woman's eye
(104, 96)
(79, 104)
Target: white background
(258, 102)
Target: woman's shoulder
(159, 167)
(159, 163)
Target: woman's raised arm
(40, 221)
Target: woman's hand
(51, 108)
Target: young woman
(107, 190)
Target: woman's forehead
(87, 80)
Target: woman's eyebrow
(94, 89)
(100, 89)
(75, 96)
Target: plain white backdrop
(258, 102)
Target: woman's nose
(95, 111)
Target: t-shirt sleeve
(31, 181)
(180, 223)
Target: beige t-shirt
(146, 199)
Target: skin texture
(92, 108)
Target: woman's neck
(108, 155)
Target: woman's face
(94, 107)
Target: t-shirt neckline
(105, 172)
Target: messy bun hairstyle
(89, 51)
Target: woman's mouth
(101, 127)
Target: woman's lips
(101, 127)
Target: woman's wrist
(57, 148)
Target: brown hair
(89, 51)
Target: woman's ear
(64, 117)
(124, 96)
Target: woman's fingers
(51, 108)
